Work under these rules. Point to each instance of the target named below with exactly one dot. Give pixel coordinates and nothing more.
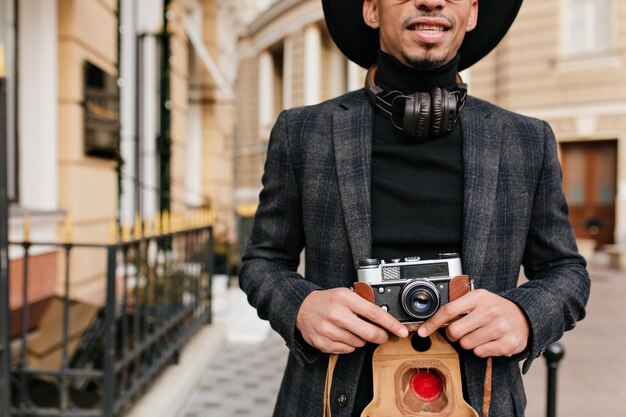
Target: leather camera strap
(487, 388)
(332, 361)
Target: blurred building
(116, 110)
(287, 59)
(563, 61)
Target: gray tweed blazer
(316, 196)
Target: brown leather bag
(395, 362)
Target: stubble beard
(428, 62)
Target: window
(587, 26)
(101, 113)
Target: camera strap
(487, 387)
(332, 361)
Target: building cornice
(275, 11)
(568, 111)
(584, 121)
(282, 19)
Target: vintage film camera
(411, 289)
(414, 376)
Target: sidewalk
(243, 381)
(592, 374)
(244, 378)
(231, 368)
(244, 375)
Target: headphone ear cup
(409, 123)
(449, 111)
(444, 111)
(424, 117)
(439, 110)
(417, 114)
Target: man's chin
(425, 63)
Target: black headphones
(425, 115)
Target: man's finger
(463, 326)
(447, 314)
(336, 348)
(366, 330)
(347, 337)
(493, 348)
(474, 339)
(377, 315)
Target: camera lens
(420, 299)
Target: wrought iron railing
(157, 295)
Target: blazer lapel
(352, 138)
(481, 158)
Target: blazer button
(342, 400)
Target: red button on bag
(426, 385)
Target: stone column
(312, 64)
(266, 93)
(38, 105)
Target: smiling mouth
(428, 28)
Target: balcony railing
(156, 294)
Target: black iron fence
(102, 356)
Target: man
(358, 177)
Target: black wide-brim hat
(359, 42)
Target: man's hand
(329, 321)
(488, 324)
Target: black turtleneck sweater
(416, 188)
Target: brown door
(589, 178)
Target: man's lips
(429, 30)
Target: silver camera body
(410, 289)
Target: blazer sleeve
(555, 296)
(268, 275)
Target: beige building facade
(563, 61)
(116, 110)
(287, 60)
